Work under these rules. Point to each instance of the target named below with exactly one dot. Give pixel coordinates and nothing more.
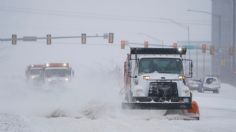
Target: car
(211, 83)
(194, 84)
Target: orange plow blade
(194, 110)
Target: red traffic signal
(174, 45)
(204, 48)
(212, 50)
(122, 44)
(145, 44)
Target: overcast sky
(132, 20)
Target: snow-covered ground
(91, 102)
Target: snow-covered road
(92, 101)
(218, 113)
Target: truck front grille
(164, 91)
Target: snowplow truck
(35, 72)
(57, 73)
(155, 79)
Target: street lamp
(219, 21)
(212, 14)
(184, 26)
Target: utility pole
(218, 45)
(184, 26)
(234, 17)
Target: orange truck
(35, 72)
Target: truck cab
(57, 73)
(34, 73)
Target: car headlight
(146, 77)
(66, 79)
(33, 77)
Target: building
(223, 39)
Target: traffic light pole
(49, 37)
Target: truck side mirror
(188, 67)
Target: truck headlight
(181, 77)
(146, 77)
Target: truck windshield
(57, 72)
(161, 65)
(36, 71)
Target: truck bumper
(183, 103)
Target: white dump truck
(155, 79)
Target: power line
(72, 14)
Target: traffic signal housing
(83, 38)
(204, 48)
(145, 44)
(110, 37)
(212, 50)
(174, 45)
(49, 39)
(122, 44)
(14, 39)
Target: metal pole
(219, 43)
(188, 41)
(234, 57)
(204, 64)
(197, 63)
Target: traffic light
(231, 51)
(122, 44)
(83, 38)
(174, 45)
(110, 37)
(212, 50)
(49, 39)
(14, 39)
(145, 44)
(204, 48)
